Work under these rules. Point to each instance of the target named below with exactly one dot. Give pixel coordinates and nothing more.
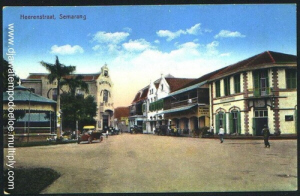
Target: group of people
(265, 133)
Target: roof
(86, 77)
(197, 85)
(177, 83)
(141, 95)
(22, 94)
(265, 59)
(177, 109)
(121, 112)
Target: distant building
(99, 84)
(121, 115)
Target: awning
(178, 109)
(195, 86)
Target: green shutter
(267, 85)
(224, 122)
(256, 89)
(254, 126)
(230, 123)
(217, 127)
(239, 122)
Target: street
(130, 163)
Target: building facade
(258, 91)
(99, 84)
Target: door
(259, 125)
(105, 121)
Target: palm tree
(58, 71)
(73, 83)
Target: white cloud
(194, 30)
(136, 45)
(170, 35)
(211, 48)
(66, 49)
(157, 41)
(225, 54)
(113, 38)
(226, 33)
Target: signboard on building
(203, 111)
(125, 119)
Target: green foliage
(77, 108)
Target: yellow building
(258, 91)
(99, 85)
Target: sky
(139, 43)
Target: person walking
(221, 134)
(266, 134)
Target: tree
(57, 72)
(78, 108)
(73, 83)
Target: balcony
(184, 102)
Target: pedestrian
(211, 130)
(106, 131)
(266, 134)
(221, 134)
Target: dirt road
(149, 163)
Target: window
(237, 83)
(227, 86)
(218, 88)
(291, 78)
(261, 83)
(105, 96)
(105, 73)
(162, 87)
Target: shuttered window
(218, 88)
(237, 83)
(227, 86)
(291, 78)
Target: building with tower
(99, 84)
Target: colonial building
(258, 91)
(99, 85)
(155, 104)
(137, 111)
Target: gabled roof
(265, 59)
(86, 77)
(141, 95)
(121, 112)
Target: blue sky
(139, 43)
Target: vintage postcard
(150, 98)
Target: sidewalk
(272, 137)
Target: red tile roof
(86, 77)
(140, 96)
(258, 61)
(121, 112)
(177, 83)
